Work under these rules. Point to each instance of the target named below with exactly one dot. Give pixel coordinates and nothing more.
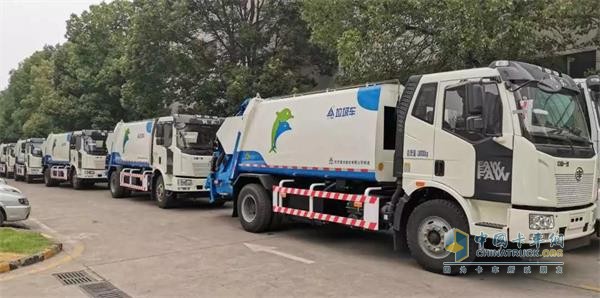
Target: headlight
(23, 201)
(184, 182)
(541, 221)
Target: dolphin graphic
(280, 126)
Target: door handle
(439, 168)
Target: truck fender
(112, 169)
(410, 199)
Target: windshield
(552, 118)
(196, 138)
(36, 149)
(94, 145)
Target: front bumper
(180, 184)
(34, 171)
(92, 174)
(572, 224)
(16, 213)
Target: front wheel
(48, 181)
(75, 182)
(28, 178)
(254, 208)
(164, 199)
(427, 226)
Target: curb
(47, 253)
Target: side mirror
(474, 124)
(160, 141)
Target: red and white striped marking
(326, 194)
(142, 187)
(256, 165)
(359, 223)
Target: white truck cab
(7, 159)
(590, 95)
(28, 164)
(78, 157)
(167, 156)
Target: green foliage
(136, 59)
(22, 242)
(382, 39)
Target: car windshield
(94, 145)
(552, 118)
(196, 138)
(36, 149)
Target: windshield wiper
(522, 85)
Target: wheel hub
(249, 208)
(431, 236)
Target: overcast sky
(27, 25)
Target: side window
(473, 111)
(168, 134)
(389, 128)
(424, 107)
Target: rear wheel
(164, 199)
(1, 217)
(254, 208)
(116, 190)
(427, 226)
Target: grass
(22, 242)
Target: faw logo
(491, 170)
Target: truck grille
(201, 169)
(99, 164)
(571, 192)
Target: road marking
(591, 288)
(273, 250)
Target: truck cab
(5, 156)
(28, 164)
(168, 156)
(590, 96)
(78, 157)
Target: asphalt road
(197, 250)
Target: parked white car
(14, 206)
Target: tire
(28, 178)
(49, 182)
(76, 182)
(254, 208)
(164, 199)
(116, 190)
(17, 177)
(1, 217)
(435, 216)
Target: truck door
(160, 149)
(472, 155)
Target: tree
(261, 47)
(89, 66)
(167, 60)
(383, 39)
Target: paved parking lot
(197, 250)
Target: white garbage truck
(167, 156)
(28, 165)
(78, 157)
(590, 95)
(499, 149)
(7, 159)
